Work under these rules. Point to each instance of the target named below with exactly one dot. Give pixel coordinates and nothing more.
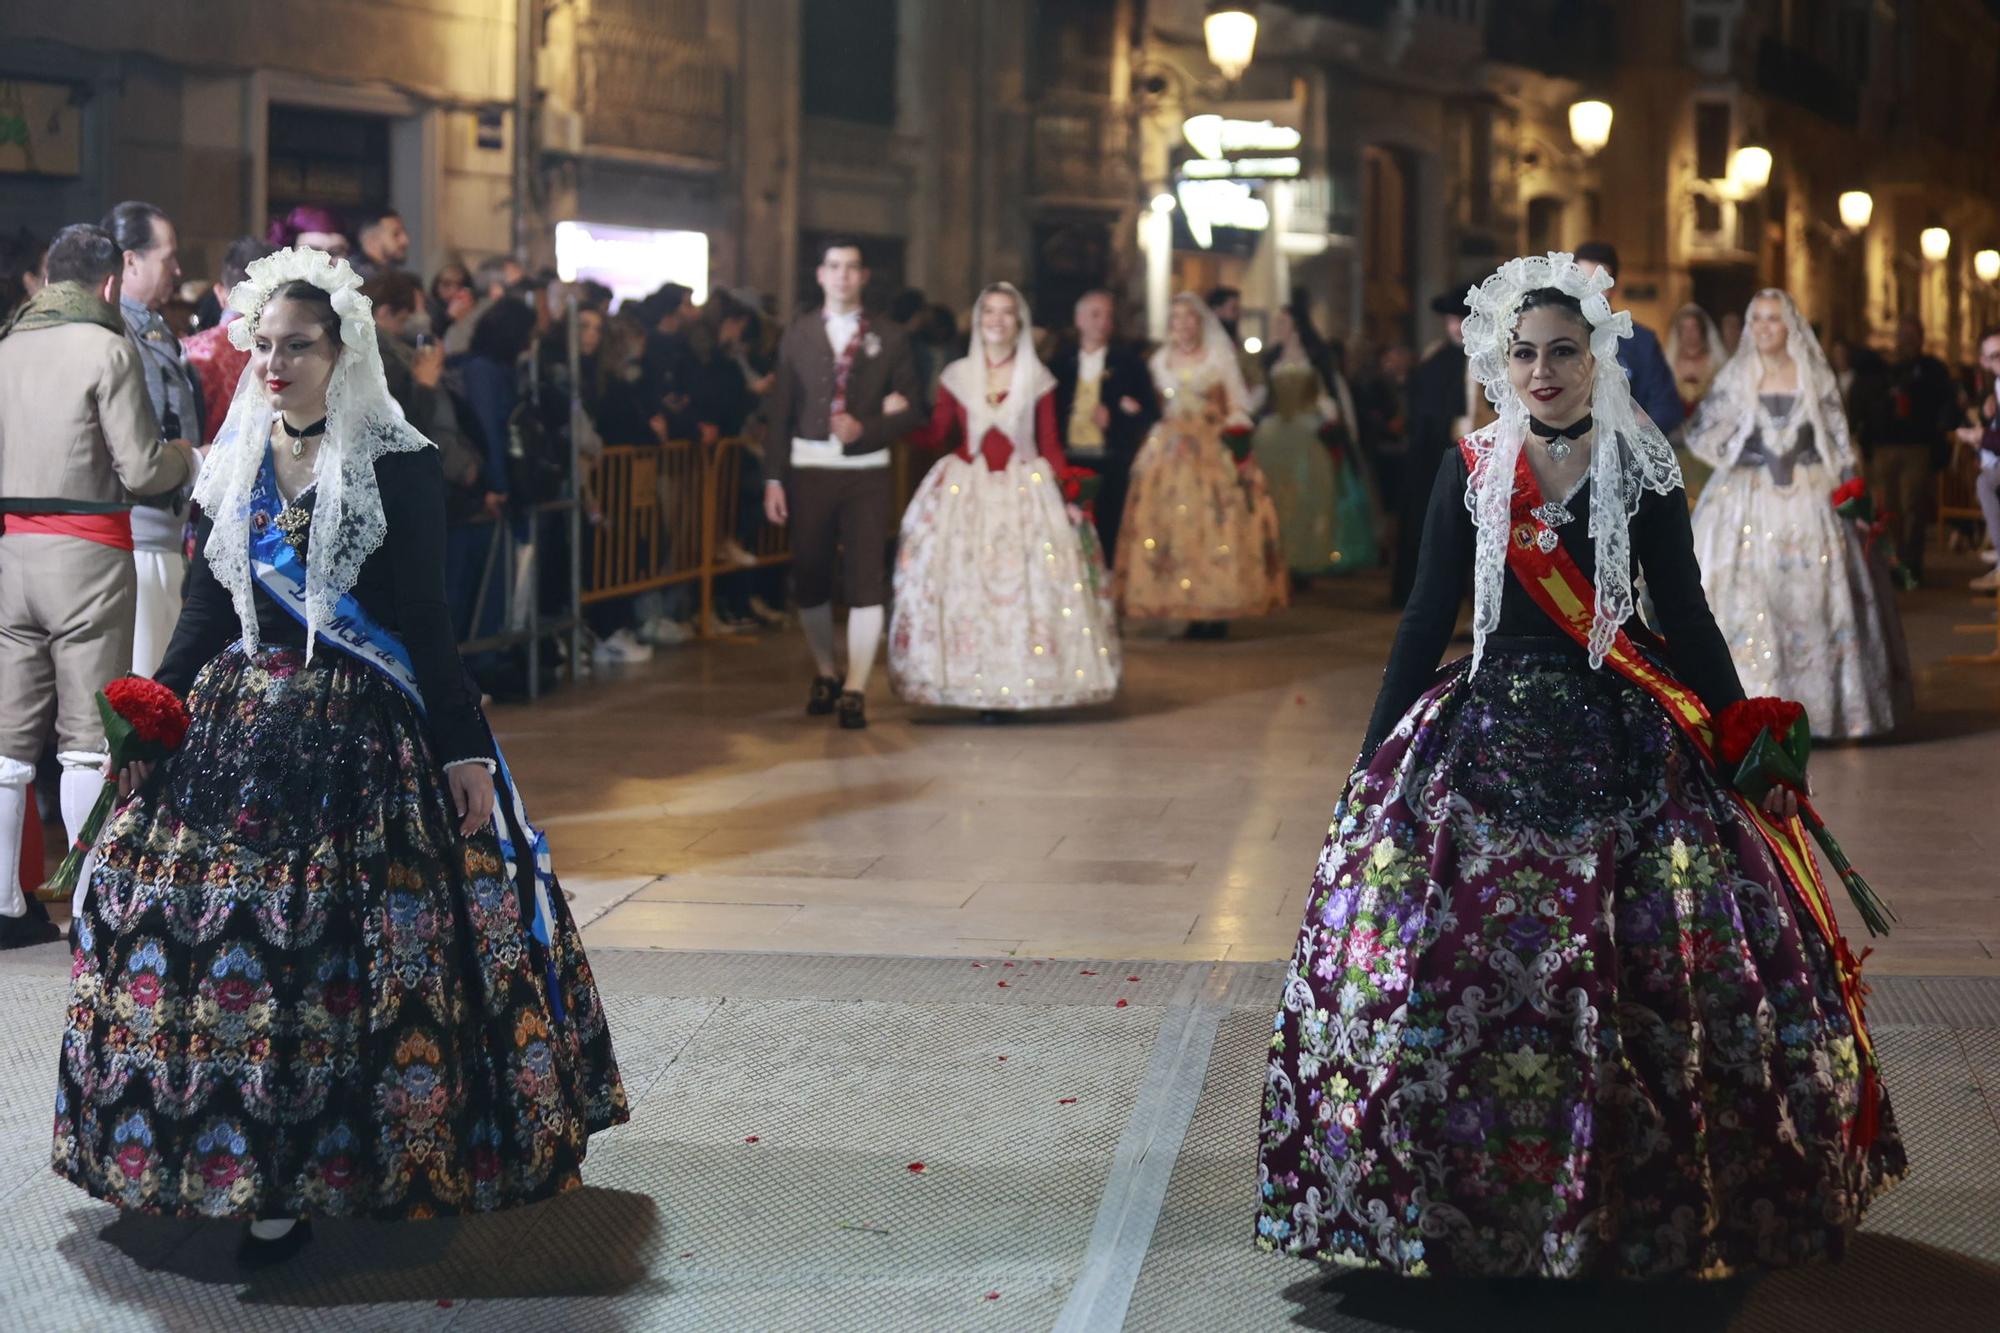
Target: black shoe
(825, 690)
(991, 717)
(853, 711)
(25, 932)
(254, 1253)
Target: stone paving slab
(847, 1071)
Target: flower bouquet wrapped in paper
(1080, 486)
(1852, 501)
(144, 722)
(1764, 743)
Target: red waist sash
(114, 530)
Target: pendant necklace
(299, 437)
(1557, 439)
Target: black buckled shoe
(825, 691)
(30, 929)
(254, 1253)
(853, 711)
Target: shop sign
(1226, 203)
(632, 261)
(41, 129)
(1215, 136)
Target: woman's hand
(894, 405)
(132, 778)
(1782, 803)
(471, 795)
(1075, 513)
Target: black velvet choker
(1576, 430)
(317, 428)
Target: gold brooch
(295, 522)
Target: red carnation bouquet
(1766, 743)
(1237, 438)
(1851, 500)
(1080, 486)
(145, 722)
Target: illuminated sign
(1247, 168)
(1217, 136)
(1224, 203)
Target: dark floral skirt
(1553, 1011)
(298, 991)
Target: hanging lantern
(1750, 168)
(1986, 264)
(1856, 208)
(1231, 33)
(1590, 126)
(1935, 242)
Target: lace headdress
(1628, 458)
(1014, 415)
(362, 423)
(1219, 352)
(1733, 409)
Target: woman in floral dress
(1200, 537)
(1002, 603)
(322, 965)
(1562, 1006)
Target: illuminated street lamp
(1750, 168)
(1590, 126)
(1986, 264)
(1163, 203)
(1231, 32)
(1856, 207)
(1935, 242)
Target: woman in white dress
(1807, 608)
(1002, 602)
(1200, 539)
(1696, 355)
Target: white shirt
(1089, 364)
(840, 329)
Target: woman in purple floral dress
(322, 966)
(1555, 1009)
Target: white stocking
(864, 636)
(82, 780)
(817, 622)
(14, 807)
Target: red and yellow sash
(1558, 585)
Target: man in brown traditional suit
(827, 458)
(78, 443)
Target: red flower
(1529, 1159)
(1737, 729)
(145, 990)
(1853, 489)
(156, 713)
(234, 994)
(131, 1160)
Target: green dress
(1326, 523)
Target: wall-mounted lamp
(1590, 126)
(1986, 265)
(1750, 168)
(1935, 243)
(1856, 208)
(1231, 33)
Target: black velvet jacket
(401, 585)
(1662, 545)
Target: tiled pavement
(803, 934)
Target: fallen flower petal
(992, 1295)
(918, 1168)
(1065, 1101)
(1087, 973)
(1131, 978)
(751, 1139)
(1119, 1005)
(1001, 984)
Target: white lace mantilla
(1629, 455)
(362, 423)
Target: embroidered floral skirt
(1553, 1011)
(298, 991)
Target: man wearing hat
(1440, 411)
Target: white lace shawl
(1014, 415)
(1723, 423)
(362, 423)
(1218, 366)
(1629, 455)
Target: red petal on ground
(1006, 965)
(1086, 972)
(1119, 1005)
(992, 1295)
(918, 1168)
(751, 1139)
(1003, 1059)
(979, 965)
(1065, 1101)
(1131, 978)
(1001, 984)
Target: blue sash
(281, 573)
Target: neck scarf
(844, 363)
(64, 303)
